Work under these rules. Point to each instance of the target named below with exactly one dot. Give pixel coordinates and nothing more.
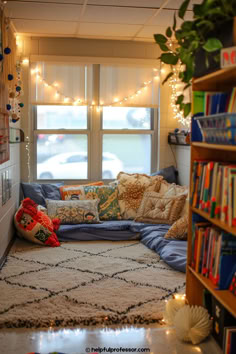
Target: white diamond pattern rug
(85, 283)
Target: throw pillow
(74, 191)
(34, 225)
(34, 191)
(74, 211)
(131, 188)
(179, 229)
(39, 192)
(158, 209)
(108, 206)
(170, 174)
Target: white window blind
(129, 86)
(59, 83)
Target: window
(92, 142)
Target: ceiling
(135, 20)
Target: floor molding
(4, 256)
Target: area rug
(85, 283)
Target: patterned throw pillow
(74, 211)
(131, 188)
(108, 206)
(34, 225)
(172, 189)
(179, 229)
(158, 209)
(74, 191)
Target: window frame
(95, 134)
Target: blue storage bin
(218, 128)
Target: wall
(179, 156)
(8, 210)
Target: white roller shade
(55, 83)
(129, 86)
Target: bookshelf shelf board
(219, 80)
(225, 297)
(220, 224)
(215, 146)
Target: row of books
(214, 102)
(213, 254)
(214, 190)
(229, 344)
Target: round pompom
(192, 324)
(21, 104)
(10, 77)
(18, 88)
(12, 95)
(7, 50)
(8, 107)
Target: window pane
(61, 117)
(126, 118)
(129, 152)
(62, 156)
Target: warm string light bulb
(75, 101)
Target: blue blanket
(172, 251)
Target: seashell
(172, 307)
(192, 324)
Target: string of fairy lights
(61, 98)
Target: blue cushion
(170, 174)
(52, 191)
(34, 191)
(39, 192)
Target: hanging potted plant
(195, 46)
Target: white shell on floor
(192, 324)
(172, 306)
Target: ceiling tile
(58, 12)
(116, 15)
(128, 3)
(45, 27)
(108, 30)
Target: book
(229, 341)
(224, 200)
(198, 102)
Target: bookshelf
(196, 283)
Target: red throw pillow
(36, 226)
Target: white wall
(179, 156)
(7, 210)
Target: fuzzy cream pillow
(179, 229)
(158, 209)
(131, 188)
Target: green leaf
(212, 44)
(169, 58)
(179, 99)
(167, 77)
(163, 47)
(174, 24)
(183, 8)
(168, 32)
(160, 39)
(205, 23)
(187, 25)
(187, 109)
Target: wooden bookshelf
(196, 283)
(216, 222)
(225, 297)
